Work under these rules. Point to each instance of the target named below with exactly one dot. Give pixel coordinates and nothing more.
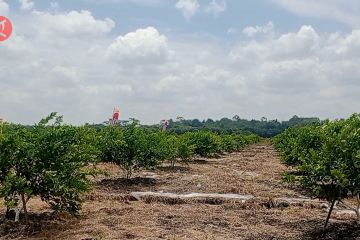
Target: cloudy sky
(159, 59)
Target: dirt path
(256, 171)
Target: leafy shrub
(328, 157)
(295, 144)
(133, 147)
(229, 143)
(177, 149)
(185, 150)
(47, 160)
(251, 139)
(206, 144)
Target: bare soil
(109, 213)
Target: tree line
(262, 127)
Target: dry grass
(108, 212)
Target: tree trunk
(357, 210)
(17, 213)
(128, 173)
(330, 211)
(24, 202)
(7, 213)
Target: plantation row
(327, 157)
(54, 161)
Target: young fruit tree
(333, 171)
(131, 147)
(206, 144)
(48, 160)
(176, 149)
(328, 158)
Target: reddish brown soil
(256, 170)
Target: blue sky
(163, 15)
(159, 59)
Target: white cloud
(232, 30)
(345, 46)
(302, 66)
(26, 5)
(54, 5)
(4, 8)
(83, 72)
(338, 10)
(142, 46)
(188, 8)
(216, 7)
(73, 24)
(298, 45)
(304, 43)
(252, 31)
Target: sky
(160, 59)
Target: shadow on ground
(128, 185)
(38, 225)
(343, 231)
(174, 169)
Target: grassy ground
(109, 214)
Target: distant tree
(196, 123)
(209, 121)
(180, 119)
(134, 121)
(263, 127)
(236, 118)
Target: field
(110, 213)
